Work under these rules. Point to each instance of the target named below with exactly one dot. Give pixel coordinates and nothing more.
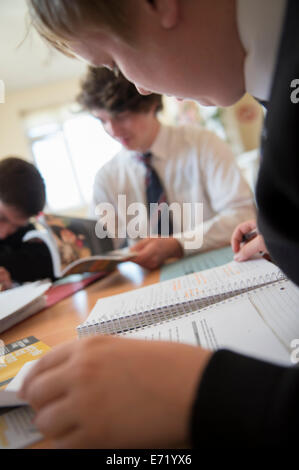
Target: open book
(74, 246)
(173, 298)
(14, 356)
(22, 302)
(16, 427)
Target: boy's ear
(168, 11)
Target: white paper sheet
(16, 427)
(238, 325)
(15, 299)
(8, 397)
(16, 383)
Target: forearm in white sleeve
(215, 232)
(101, 195)
(228, 195)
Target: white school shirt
(194, 165)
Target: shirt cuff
(191, 242)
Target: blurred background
(41, 122)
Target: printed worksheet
(234, 324)
(17, 430)
(16, 427)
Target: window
(68, 148)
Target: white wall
(12, 136)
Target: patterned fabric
(155, 194)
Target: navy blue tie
(155, 192)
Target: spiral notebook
(166, 300)
(262, 323)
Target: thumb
(255, 246)
(140, 245)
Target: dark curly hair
(103, 89)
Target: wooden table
(58, 323)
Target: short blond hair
(58, 20)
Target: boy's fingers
(140, 245)
(250, 249)
(239, 232)
(145, 254)
(50, 360)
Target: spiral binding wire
(164, 313)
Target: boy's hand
(152, 252)
(109, 392)
(245, 250)
(5, 279)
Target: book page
(234, 324)
(75, 238)
(278, 305)
(9, 398)
(17, 430)
(229, 277)
(18, 353)
(16, 383)
(15, 299)
(16, 427)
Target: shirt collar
(260, 25)
(160, 146)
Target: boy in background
(191, 165)
(22, 196)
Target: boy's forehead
(12, 214)
(104, 114)
(101, 113)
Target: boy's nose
(143, 91)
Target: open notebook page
(16, 427)
(229, 277)
(260, 323)
(279, 308)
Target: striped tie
(155, 194)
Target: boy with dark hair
(104, 89)
(22, 196)
(189, 164)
